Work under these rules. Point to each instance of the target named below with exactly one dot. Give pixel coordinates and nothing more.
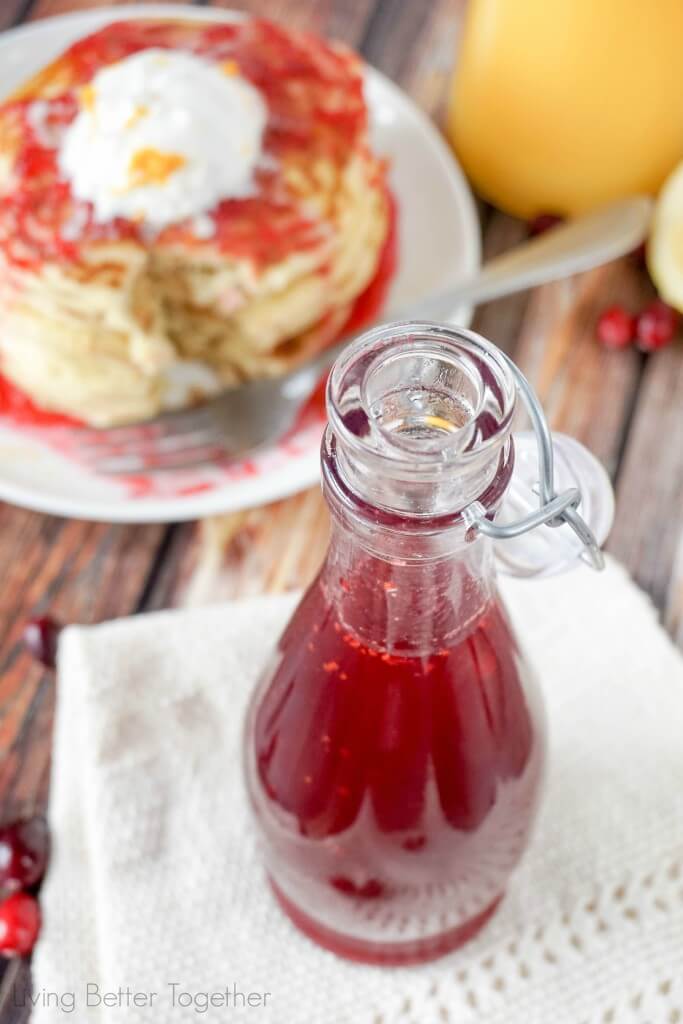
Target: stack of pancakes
(97, 318)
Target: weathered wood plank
(397, 34)
(78, 572)
(586, 391)
(648, 531)
(267, 550)
(501, 321)
(416, 44)
(12, 12)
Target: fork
(243, 419)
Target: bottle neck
(368, 505)
(419, 430)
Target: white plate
(438, 243)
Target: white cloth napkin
(155, 879)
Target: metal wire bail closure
(554, 509)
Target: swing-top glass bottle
(395, 745)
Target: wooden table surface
(626, 407)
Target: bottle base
(386, 954)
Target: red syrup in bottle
(394, 746)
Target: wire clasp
(554, 509)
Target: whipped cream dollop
(163, 135)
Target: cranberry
(616, 328)
(40, 637)
(544, 222)
(23, 854)
(656, 326)
(19, 924)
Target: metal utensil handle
(554, 509)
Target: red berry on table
(40, 637)
(656, 326)
(23, 854)
(616, 328)
(544, 222)
(19, 924)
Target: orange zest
(153, 167)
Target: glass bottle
(394, 747)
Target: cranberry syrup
(393, 785)
(394, 747)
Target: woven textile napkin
(155, 880)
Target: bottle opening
(424, 401)
(420, 416)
